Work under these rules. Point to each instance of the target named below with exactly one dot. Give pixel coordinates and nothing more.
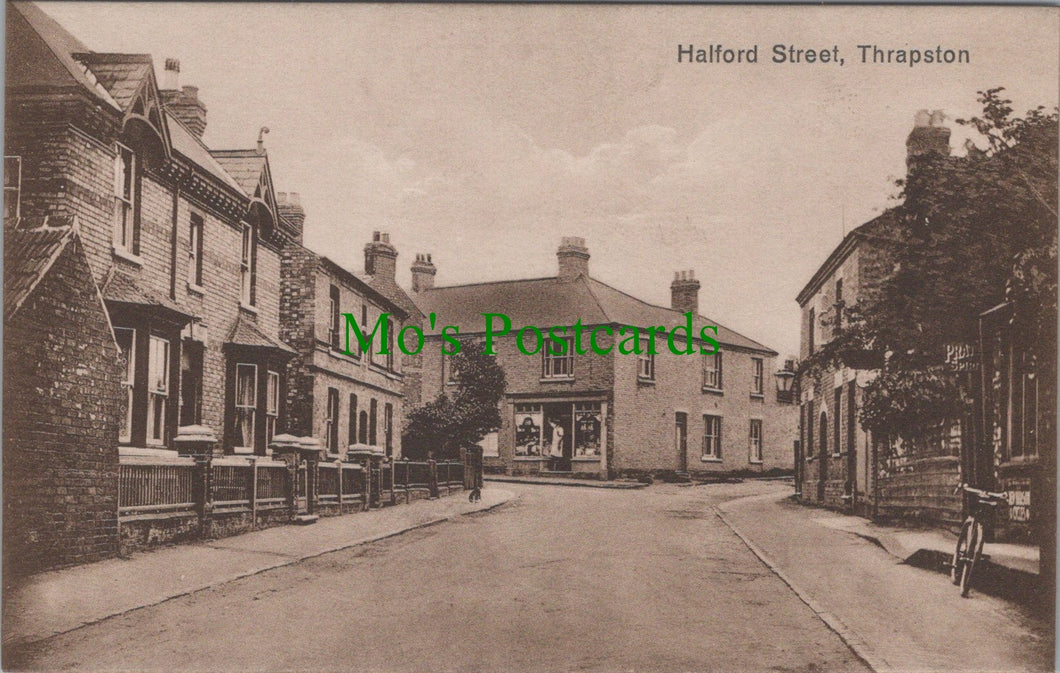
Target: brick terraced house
(614, 414)
(144, 293)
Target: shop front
(566, 436)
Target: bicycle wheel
(975, 549)
(960, 554)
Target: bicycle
(970, 542)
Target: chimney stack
(380, 258)
(573, 258)
(423, 271)
(182, 103)
(684, 292)
(930, 136)
(292, 215)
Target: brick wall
(62, 393)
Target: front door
(558, 435)
(681, 440)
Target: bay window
(157, 389)
(126, 339)
(272, 406)
(246, 407)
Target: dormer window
(125, 235)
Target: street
(559, 579)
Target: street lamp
(785, 379)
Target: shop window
(126, 339)
(588, 425)
(712, 370)
(125, 234)
(248, 266)
(568, 429)
(246, 407)
(157, 389)
(331, 421)
(557, 359)
(272, 405)
(12, 187)
(195, 234)
(757, 380)
(756, 441)
(711, 437)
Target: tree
(970, 232)
(449, 423)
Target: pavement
(858, 579)
(55, 602)
(565, 481)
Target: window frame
(272, 404)
(157, 394)
(16, 188)
(196, 228)
(125, 431)
(125, 223)
(248, 262)
(758, 373)
(331, 421)
(550, 362)
(710, 449)
(334, 317)
(646, 365)
(251, 409)
(351, 433)
(810, 337)
(717, 369)
(755, 442)
(388, 428)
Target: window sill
(557, 379)
(713, 391)
(243, 450)
(531, 458)
(123, 254)
(704, 459)
(644, 381)
(196, 289)
(758, 396)
(755, 462)
(253, 310)
(585, 459)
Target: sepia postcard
(529, 337)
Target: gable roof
(874, 229)
(40, 54)
(28, 256)
(544, 302)
(122, 75)
(245, 167)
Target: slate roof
(245, 333)
(40, 54)
(188, 144)
(120, 287)
(245, 167)
(393, 292)
(121, 74)
(28, 255)
(544, 302)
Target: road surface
(561, 579)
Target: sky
(482, 134)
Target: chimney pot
(684, 292)
(573, 258)
(423, 271)
(380, 257)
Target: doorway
(681, 440)
(558, 436)
(822, 473)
